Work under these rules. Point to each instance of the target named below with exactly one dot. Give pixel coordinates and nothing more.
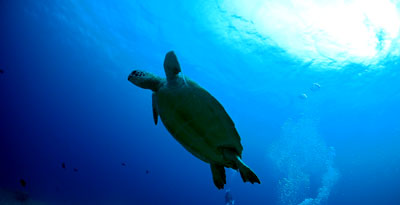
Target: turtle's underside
(195, 119)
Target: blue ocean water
(313, 89)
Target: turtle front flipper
(171, 66)
(155, 108)
(219, 177)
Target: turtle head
(145, 80)
(171, 66)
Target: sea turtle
(195, 119)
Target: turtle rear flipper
(219, 177)
(245, 172)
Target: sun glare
(341, 32)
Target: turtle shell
(197, 120)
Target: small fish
(315, 87)
(63, 165)
(1, 71)
(303, 96)
(147, 171)
(123, 164)
(75, 169)
(22, 182)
